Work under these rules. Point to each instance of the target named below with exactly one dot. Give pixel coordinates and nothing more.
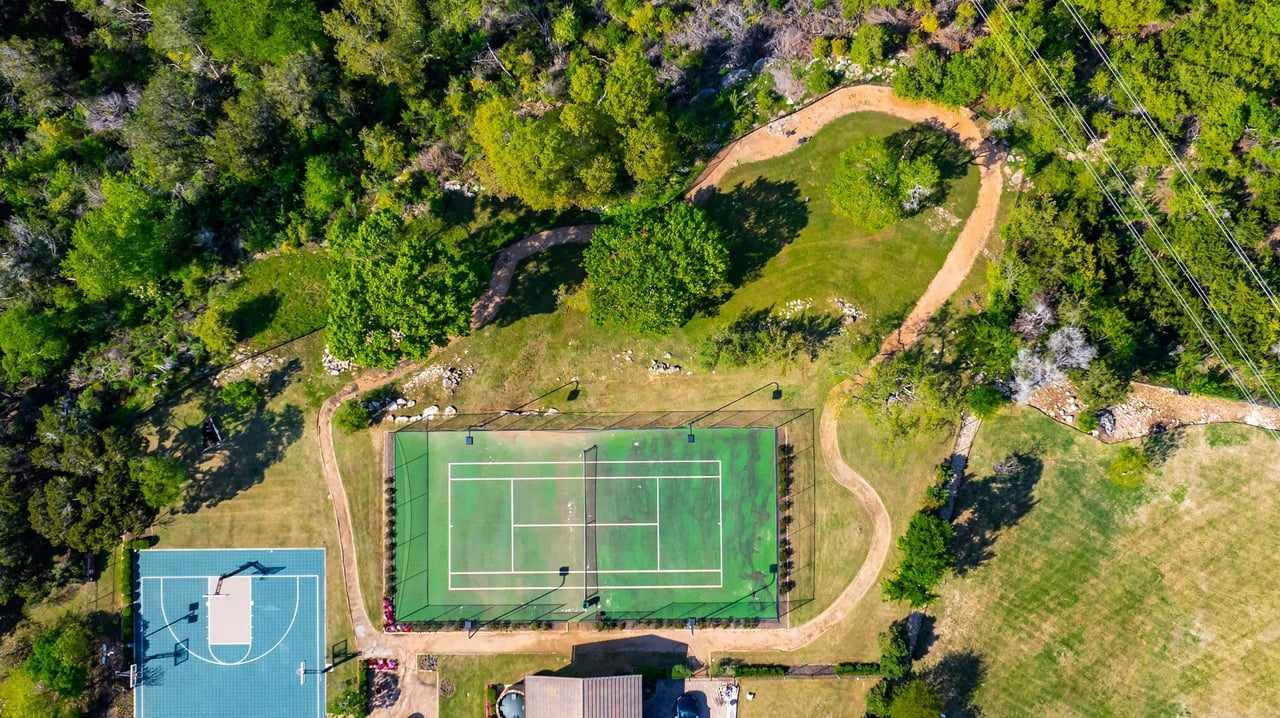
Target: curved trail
(763, 143)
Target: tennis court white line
(575, 526)
(580, 478)
(579, 462)
(512, 521)
(657, 507)
(556, 572)
(611, 588)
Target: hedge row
(749, 671)
(857, 669)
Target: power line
(1115, 205)
(1142, 209)
(1212, 210)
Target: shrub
(926, 549)
(821, 47)
(751, 671)
(242, 395)
(839, 47)
(869, 45)
(895, 654)
(1129, 469)
(985, 401)
(680, 672)
(1087, 421)
(819, 80)
(352, 416)
(857, 669)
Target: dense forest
(151, 150)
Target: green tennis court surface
(230, 632)
(527, 525)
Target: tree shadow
(987, 507)
(1161, 444)
(540, 282)
(758, 220)
(251, 317)
(241, 461)
(940, 145)
(957, 676)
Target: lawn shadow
(956, 676)
(758, 220)
(241, 461)
(251, 317)
(540, 282)
(986, 508)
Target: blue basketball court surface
(230, 632)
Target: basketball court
(549, 525)
(230, 632)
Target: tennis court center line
(580, 478)
(555, 572)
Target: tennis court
(549, 525)
(230, 632)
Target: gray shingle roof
(555, 697)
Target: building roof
(555, 697)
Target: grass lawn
(788, 243)
(808, 698)
(360, 461)
(264, 487)
(1075, 597)
(470, 674)
(279, 298)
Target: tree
(262, 31)
(650, 270)
(382, 39)
(352, 416)
(631, 90)
(168, 131)
(60, 659)
(865, 186)
(985, 401)
(396, 294)
(32, 343)
(915, 699)
(213, 328)
(160, 478)
(895, 654)
(21, 697)
(126, 245)
(89, 497)
(926, 557)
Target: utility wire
(1142, 209)
(1116, 206)
(1212, 210)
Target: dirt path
(504, 270)
(775, 139)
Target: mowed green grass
(1089, 600)
(826, 255)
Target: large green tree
(926, 558)
(877, 183)
(126, 245)
(396, 293)
(650, 270)
(915, 699)
(32, 343)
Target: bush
(839, 47)
(680, 672)
(926, 558)
(857, 669)
(1129, 469)
(985, 401)
(1087, 421)
(821, 47)
(352, 416)
(869, 45)
(819, 80)
(242, 395)
(751, 671)
(895, 654)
